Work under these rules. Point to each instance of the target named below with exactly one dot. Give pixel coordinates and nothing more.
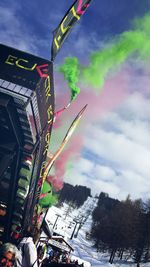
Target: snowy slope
(67, 218)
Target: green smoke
(70, 69)
(135, 42)
(50, 199)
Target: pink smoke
(55, 181)
(113, 93)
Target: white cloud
(85, 164)
(134, 129)
(78, 175)
(133, 183)
(76, 178)
(119, 149)
(105, 172)
(110, 188)
(137, 106)
(121, 142)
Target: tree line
(122, 228)
(76, 195)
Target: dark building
(26, 116)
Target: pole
(56, 220)
(74, 230)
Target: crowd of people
(28, 254)
(59, 257)
(23, 255)
(8, 255)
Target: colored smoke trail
(47, 198)
(55, 181)
(71, 73)
(67, 155)
(98, 75)
(135, 42)
(115, 91)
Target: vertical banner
(46, 106)
(39, 210)
(69, 20)
(64, 142)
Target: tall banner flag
(67, 23)
(64, 142)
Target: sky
(110, 150)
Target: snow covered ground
(67, 221)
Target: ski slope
(65, 220)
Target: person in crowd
(8, 255)
(76, 263)
(50, 253)
(41, 254)
(68, 260)
(28, 247)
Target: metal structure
(26, 116)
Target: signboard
(67, 23)
(22, 68)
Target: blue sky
(34, 21)
(115, 156)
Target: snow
(67, 218)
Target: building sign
(22, 68)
